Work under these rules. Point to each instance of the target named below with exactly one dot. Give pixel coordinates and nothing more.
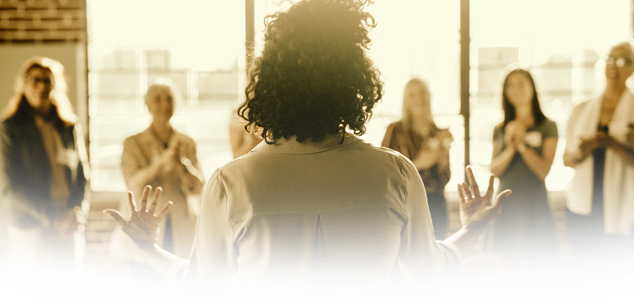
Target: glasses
(36, 80)
(618, 61)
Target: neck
(162, 130)
(43, 109)
(420, 124)
(613, 92)
(524, 114)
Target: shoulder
(443, 132)
(185, 139)
(548, 128)
(548, 123)
(498, 128)
(135, 139)
(386, 156)
(395, 127)
(18, 126)
(579, 107)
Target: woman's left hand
(143, 226)
(476, 210)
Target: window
(174, 39)
(561, 43)
(200, 45)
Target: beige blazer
(139, 151)
(295, 213)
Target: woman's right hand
(172, 153)
(510, 132)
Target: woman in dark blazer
(42, 170)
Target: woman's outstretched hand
(143, 226)
(476, 210)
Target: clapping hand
(143, 226)
(476, 210)
(514, 134)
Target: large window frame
(465, 94)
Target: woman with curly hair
(314, 204)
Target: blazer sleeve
(213, 262)
(13, 179)
(80, 176)
(194, 168)
(131, 164)
(423, 259)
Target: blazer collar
(148, 138)
(292, 146)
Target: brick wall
(105, 277)
(42, 20)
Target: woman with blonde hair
(162, 156)
(418, 138)
(43, 169)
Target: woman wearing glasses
(601, 194)
(42, 170)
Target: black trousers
(602, 263)
(148, 284)
(438, 211)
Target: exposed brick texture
(42, 20)
(105, 277)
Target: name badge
(533, 139)
(68, 157)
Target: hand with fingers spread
(477, 210)
(143, 226)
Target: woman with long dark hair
(314, 208)
(42, 170)
(524, 147)
(417, 137)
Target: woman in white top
(314, 205)
(600, 197)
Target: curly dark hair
(313, 77)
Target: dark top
(598, 155)
(410, 144)
(25, 171)
(525, 224)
